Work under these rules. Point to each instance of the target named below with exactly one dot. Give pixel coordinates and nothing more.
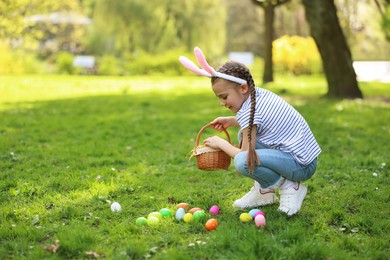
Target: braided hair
(239, 70)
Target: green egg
(165, 212)
(141, 221)
(198, 215)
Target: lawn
(70, 146)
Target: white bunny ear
(191, 66)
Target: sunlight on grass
(16, 89)
(72, 145)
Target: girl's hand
(215, 142)
(221, 123)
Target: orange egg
(182, 205)
(211, 224)
(193, 210)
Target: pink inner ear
(202, 61)
(191, 66)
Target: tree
(243, 30)
(21, 25)
(334, 50)
(269, 14)
(384, 9)
(154, 26)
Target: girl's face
(231, 95)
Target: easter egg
(214, 210)
(211, 224)
(183, 205)
(179, 214)
(188, 217)
(198, 215)
(141, 221)
(152, 221)
(259, 213)
(252, 212)
(193, 210)
(116, 207)
(245, 217)
(165, 212)
(260, 221)
(156, 214)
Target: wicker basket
(210, 159)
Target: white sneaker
(291, 199)
(256, 197)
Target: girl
(277, 147)
(278, 150)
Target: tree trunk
(334, 50)
(269, 12)
(269, 16)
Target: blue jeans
(274, 165)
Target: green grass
(69, 145)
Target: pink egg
(214, 210)
(259, 213)
(260, 221)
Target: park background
(74, 139)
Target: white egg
(179, 214)
(116, 207)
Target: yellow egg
(156, 214)
(152, 221)
(188, 217)
(245, 217)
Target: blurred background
(137, 37)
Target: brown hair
(239, 70)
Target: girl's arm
(220, 143)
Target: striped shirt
(280, 126)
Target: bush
(64, 62)
(18, 62)
(166, 63)
(295, 54)
(109, 65)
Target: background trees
(135, 34)
(156, 26)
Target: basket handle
(203, 128)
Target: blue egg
(252, 212)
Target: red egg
(211, 224)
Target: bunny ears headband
(206, 69)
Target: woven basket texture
(210, 159)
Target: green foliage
(108, 65)
(297, 55)
(156, 26)
(64, 63)
(386, 22)
(166, 63)
(18, 61)
(71, 145)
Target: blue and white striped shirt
(280, 126)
